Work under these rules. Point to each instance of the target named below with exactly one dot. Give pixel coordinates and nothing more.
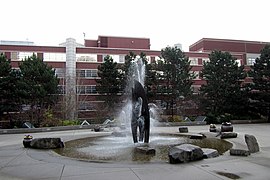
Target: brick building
(76, 64)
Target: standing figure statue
(140, 114)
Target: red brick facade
(95, 50)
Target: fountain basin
(120, 149)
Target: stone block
(183, 129)
(146, 150)
(185, 153)
(252, 143)
(226, 127)
(225, 135)
(197, 136)
(46, 143)
(209, 153)
(239, 152)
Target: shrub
(175, 118)
(49, 120)
(70, 122)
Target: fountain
(136, 114)
(136, 110)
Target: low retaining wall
(193, 123)
(249, 121)
(46, 129)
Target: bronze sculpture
(140, 114)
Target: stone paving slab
(238, 167)
(124, 174)
(17, 162)
(34, 171)
(174, 172)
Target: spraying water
(136, 73)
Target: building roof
(23, 43)
(239, 46)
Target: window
(54, 56)
(80, 89)
(81, 73)
(62, 89)
(86, 89)
(205, 60)
(91, 73)
(251, 58)
(20, 55)
(87, 73)
(86, 106)
(60, 72)
(86, 57)
(193, 60)
(90, 89)
(251, 61)
(23, 55)
(14, 55)
(238, 62)
(121, 58)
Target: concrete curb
(46, 129)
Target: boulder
(146, 150)
(183, 129)
(97, 129)
(239, 152)
(226, 127)
(46, 143)
(213, 128)
(252, 143)
(26, 143)
(27, 140)
(197, 136)
(185, 153)
(225, 135)
(209, 153)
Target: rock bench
(189, 152)
(44, 143)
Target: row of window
(86, 89)
(62, 57)
(86, 73)
(90, 89)
(117, 58)
(93, 73)
(87, 106)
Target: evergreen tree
(174, 76)
(260, 89)
(110, 82)
(38, 86)
(222, 92)
(8, 87)
(151, 81)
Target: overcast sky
(165, 22)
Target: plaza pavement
(17, 162)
